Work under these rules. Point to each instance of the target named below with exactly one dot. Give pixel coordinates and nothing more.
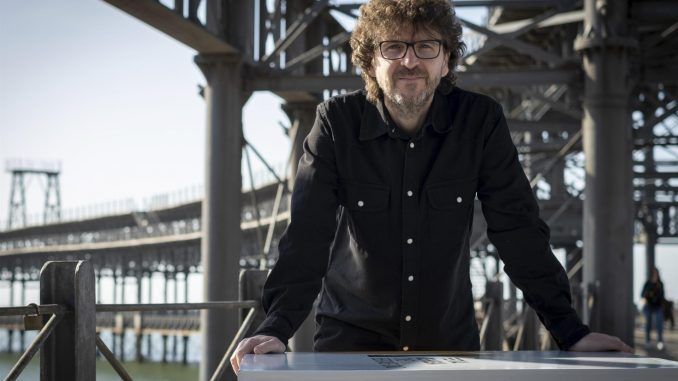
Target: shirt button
(410, 278)
(409, 193)
(409, 241)
(406, 348)
(459, 200)
(411, 144)
(361, 204)
(408, 318)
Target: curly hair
(379, 18)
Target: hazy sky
(115, 101)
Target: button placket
(410, 246)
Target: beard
(406, 103)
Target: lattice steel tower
(22, 170)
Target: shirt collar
(376, 121)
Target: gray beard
(409, 105)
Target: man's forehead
(409, 33)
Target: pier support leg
(221, 207)
(605, 46)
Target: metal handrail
(108, 355)
(486, 320)
(45, 309)
(58, 311)
(223, 364)
(120, 369)
(34, 347)
(175, 306)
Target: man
(383, 204)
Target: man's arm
(303, 250)
(522, 239)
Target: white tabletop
(452, 366)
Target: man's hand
(256, 344)
(599, 342)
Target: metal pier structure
(589, 89)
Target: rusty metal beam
(174, 25)
(296, 29)
(531, 50)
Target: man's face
(408, 83)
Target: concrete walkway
(670, 351)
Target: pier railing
(66, 324)
(520, 330)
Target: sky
(116, 103)
(112, 100)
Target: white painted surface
(466, 366)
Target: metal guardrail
(34, 347)
(72, 320)
(496, 330)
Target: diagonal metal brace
(296, 29)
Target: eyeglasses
(395, 50)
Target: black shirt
(381, 222)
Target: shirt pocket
(367, 207)
(364, 197)
(450, 207)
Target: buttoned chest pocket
(367, 209)
(450, 207)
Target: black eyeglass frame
(407, 47)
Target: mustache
(416, 72)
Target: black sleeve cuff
(577, 333)
(272, 326)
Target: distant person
(653, 293)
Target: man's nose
(410, 60)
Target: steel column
(22, 333)
(164, 336)
(123, 282)
(494, 336)
(149, 336)
(608, 208)
(649, 219)
(175, 337)
(10, 331)
(139, 326)
(114, 345)
(221, 207)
